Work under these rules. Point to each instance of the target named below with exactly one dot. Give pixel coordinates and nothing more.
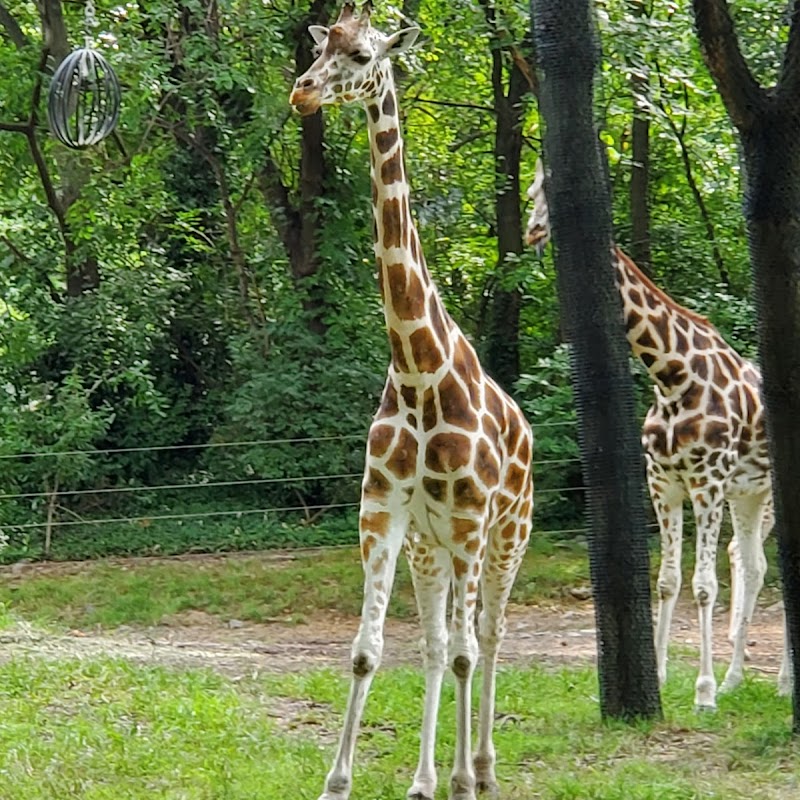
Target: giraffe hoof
(412, 795)
(488, 788)
(705, 708)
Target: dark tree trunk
(568, 53)
(769, 125)
(502, 341)
(298, 221)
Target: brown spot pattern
(429, 415)
(398, 354)
(456, 408)
(486, 466)
(375, 522)
(389, 106)
(392, 169)
(425, 351)
(466, 494)
(406, 295)
(437, 321)
(403, 460)
(388, 406)
(515, 479)
(375, 484)
(435, 488)
(380, 437)
(391, 223)
(409, 395)
(463, 529)
(448, 452)
(386, 140)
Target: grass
(108, 729)
(251, 588)
(103, 728)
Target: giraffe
(447, 475)
(704, 438)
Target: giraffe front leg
(430, 572)
(667, 498)
(707, 503)
(463, 654)
(382, 537)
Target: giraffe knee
(434, 653)
(462, 667)
(491, 632)
(669, 582)
(364, 664)
(705, 591)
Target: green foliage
(199, 332)
(545, 395)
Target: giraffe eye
(359, 57)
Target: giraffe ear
(400, 42)
(318, 33)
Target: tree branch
(789, 83)
(448, 103)
(13, 32)
(680, 136)
(743, 96)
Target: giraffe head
(537, 232)
(348, 63)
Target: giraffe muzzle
(305, 98)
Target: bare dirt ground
(553, 634)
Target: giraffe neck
(664, 336)
(416, 320)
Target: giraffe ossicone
(448, 464)
(705, 441)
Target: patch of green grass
(248, 587)
(551, 743)
(108, 730)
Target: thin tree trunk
(640, 152)
(502, 345)
(611, 454)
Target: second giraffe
(704, 439)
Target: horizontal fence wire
(176, 486)
(164, 447)
(225, 484)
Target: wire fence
(52, 515)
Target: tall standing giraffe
(447, 472)
(704, 439)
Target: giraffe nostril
(307, 83)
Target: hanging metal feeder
(83, 102)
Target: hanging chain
(89, 21)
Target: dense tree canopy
(206, 275)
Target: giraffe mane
(660, 293)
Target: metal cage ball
(83, 102)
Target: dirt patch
(239, 649)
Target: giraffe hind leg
(667, 500)
(497, 581)
(747, 514)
